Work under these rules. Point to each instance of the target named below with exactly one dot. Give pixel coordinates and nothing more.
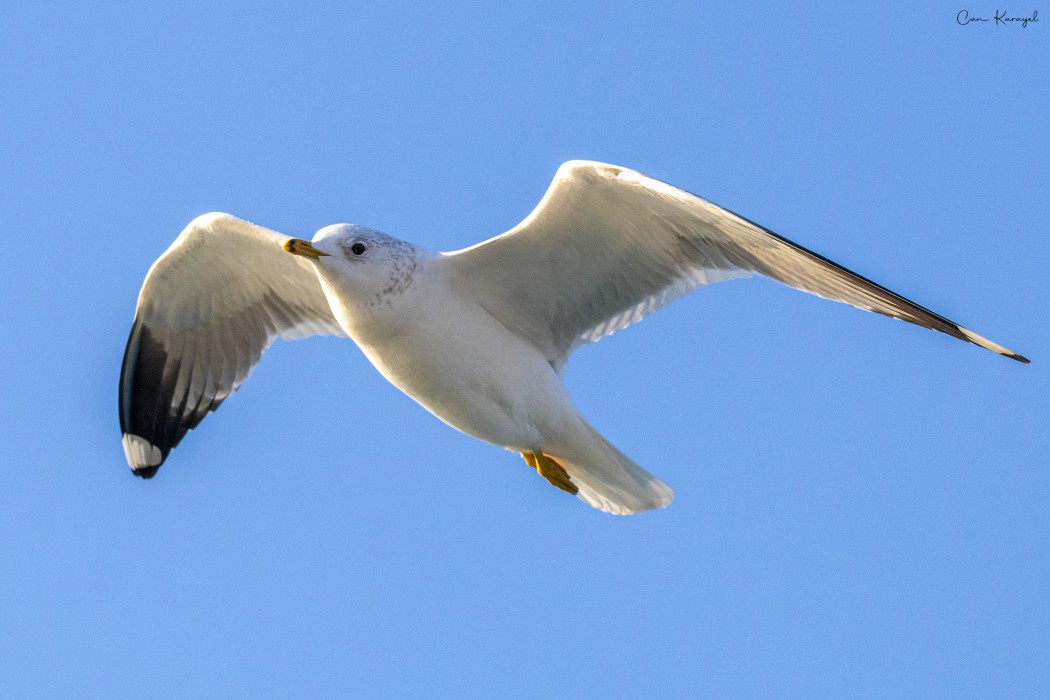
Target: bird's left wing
(220, 295)
(606, 246)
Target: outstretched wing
(607, 246)
(210, 306)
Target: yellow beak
(297, 246)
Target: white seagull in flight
(479, 337)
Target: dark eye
(358, 248)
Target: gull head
(367, 261)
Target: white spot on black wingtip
(967, 334)
(143, 458)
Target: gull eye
(358, 248)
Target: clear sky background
(861, 504)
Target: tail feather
(609, 480)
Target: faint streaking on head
(479, 337)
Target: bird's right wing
(606, 246)
(220, 295)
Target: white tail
(609, 480)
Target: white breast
(459, 362)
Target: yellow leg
(550, 470)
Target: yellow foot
(550, 470)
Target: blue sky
(861, 504)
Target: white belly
(467, 369)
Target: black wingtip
(1019, 358)
(145, 472)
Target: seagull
(479, 337)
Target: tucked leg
(550, 470)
